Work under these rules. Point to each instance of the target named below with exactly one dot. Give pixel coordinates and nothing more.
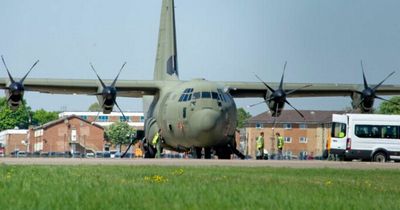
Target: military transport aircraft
(194, 114)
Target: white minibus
(366, 136)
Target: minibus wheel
(379, 157)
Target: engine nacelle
(364, 103)
(275, 108)
(107, 105)
(14, 95)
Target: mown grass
(153, 187)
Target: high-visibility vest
(280, 142)
(341, 135)
(260, 142)
(155, 138)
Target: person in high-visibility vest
(157, 143)
(260, 146)
(280, 144)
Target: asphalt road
(201, 162)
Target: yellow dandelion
(178, 172)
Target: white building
(135, 119)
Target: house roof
(291, 116)
(61, 120)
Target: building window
(103, 118)
(259, 125)
(303, 140)
(85, 117)
(287, 126)
(288, 139)
(141, 118)
(303, 126)
(122, 119)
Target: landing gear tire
(223, 152)
(207, 153)
(196, 152)
(148, 150)
(380, 157)
(236, 151)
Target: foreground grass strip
(151, 187)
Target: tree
(119, 133)
(95, 107)
(390, 108)
(242, 116)
(10, 119)
(42, 116)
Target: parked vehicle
(366, 136)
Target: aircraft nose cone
(206, 119)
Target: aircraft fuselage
(196, 113)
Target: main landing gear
(223, 152)
(148, 150)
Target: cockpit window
(196, 95)
(186, 95)
(205, 95)
(214, 95)
(188, 90)
(181, 98)
(222, 95)
(219, 96)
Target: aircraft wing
(258, 89)
(125, 88)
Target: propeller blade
(378, 85)
(126, 151)
(283, 75)
(116, 104)
(101, 81)
(365, 80)
(266, 85)
(362, 101)
(248, 106)
(97, 116)
(116, 78)
(266, 100)
(23, 78)
(292, 91)
(383, 99)
(8, 72)
(274, 122)
(286, 101)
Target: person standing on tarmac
(260, 146)
(280, 142)
(157, 143)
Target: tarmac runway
(200, 162)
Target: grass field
(153, 187)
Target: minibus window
(338, 130)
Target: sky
(323, 41)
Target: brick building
(13, 140)
(302, 136)
(68, 134)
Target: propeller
(16, 88)
(368, 94)
(109, 93)
(277, 99)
